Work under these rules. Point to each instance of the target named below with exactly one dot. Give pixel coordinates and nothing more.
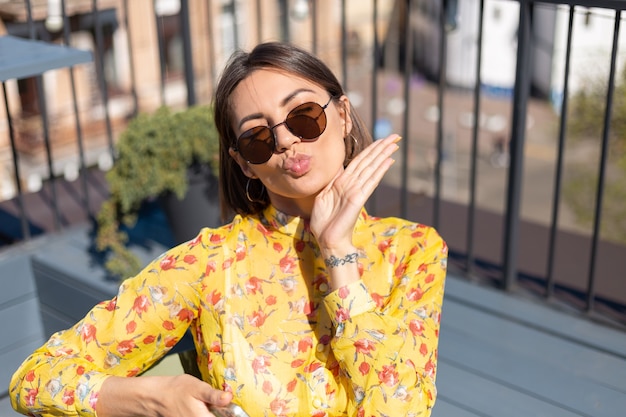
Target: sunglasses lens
(256, 145)
(307, 121)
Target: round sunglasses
(307, 121)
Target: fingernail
(397, 139)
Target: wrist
(337, 251)
(342, 267)
(333, 261)
(121, 396)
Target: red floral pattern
(256, 297)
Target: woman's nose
(284, 138)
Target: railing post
(441, 88)
(471, 214)
(371, 203)
(521, 93)
(211, 52)
(79, 131)
(558, 179)
(408, 72)
(41, 97)
(162, 53)
(285, 34)
(591, 287)
(187, 52)
(16, 167)
(233, 8)
(131, 63)
(104, 88)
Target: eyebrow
(283, 103)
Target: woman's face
(298, 170)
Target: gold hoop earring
(253, 200)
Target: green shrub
(154, 154)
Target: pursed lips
(298, 164)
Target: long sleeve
(386, 343)
(122, 337)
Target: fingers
(205, 395)
(369, 167)
(217, 397)
(375, 153)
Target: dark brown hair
(285, 57)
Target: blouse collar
(275, 220)
(296, 226)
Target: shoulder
(210, 237)
(206, 244)
(220, 239)
(399, 228)
(405, 236)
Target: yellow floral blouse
(255, 294)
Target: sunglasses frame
(236, 148)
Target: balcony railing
(485, 93)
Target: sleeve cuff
(347, 302)
(87, 392)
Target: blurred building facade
(142, 67)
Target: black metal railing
(467, 245)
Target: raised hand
(338, 205)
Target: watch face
(231, 410)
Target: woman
(302, 305)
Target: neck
(300, 207)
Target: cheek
(333, 153)
(335, 143)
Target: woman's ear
(344, 112)
(243, 164)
